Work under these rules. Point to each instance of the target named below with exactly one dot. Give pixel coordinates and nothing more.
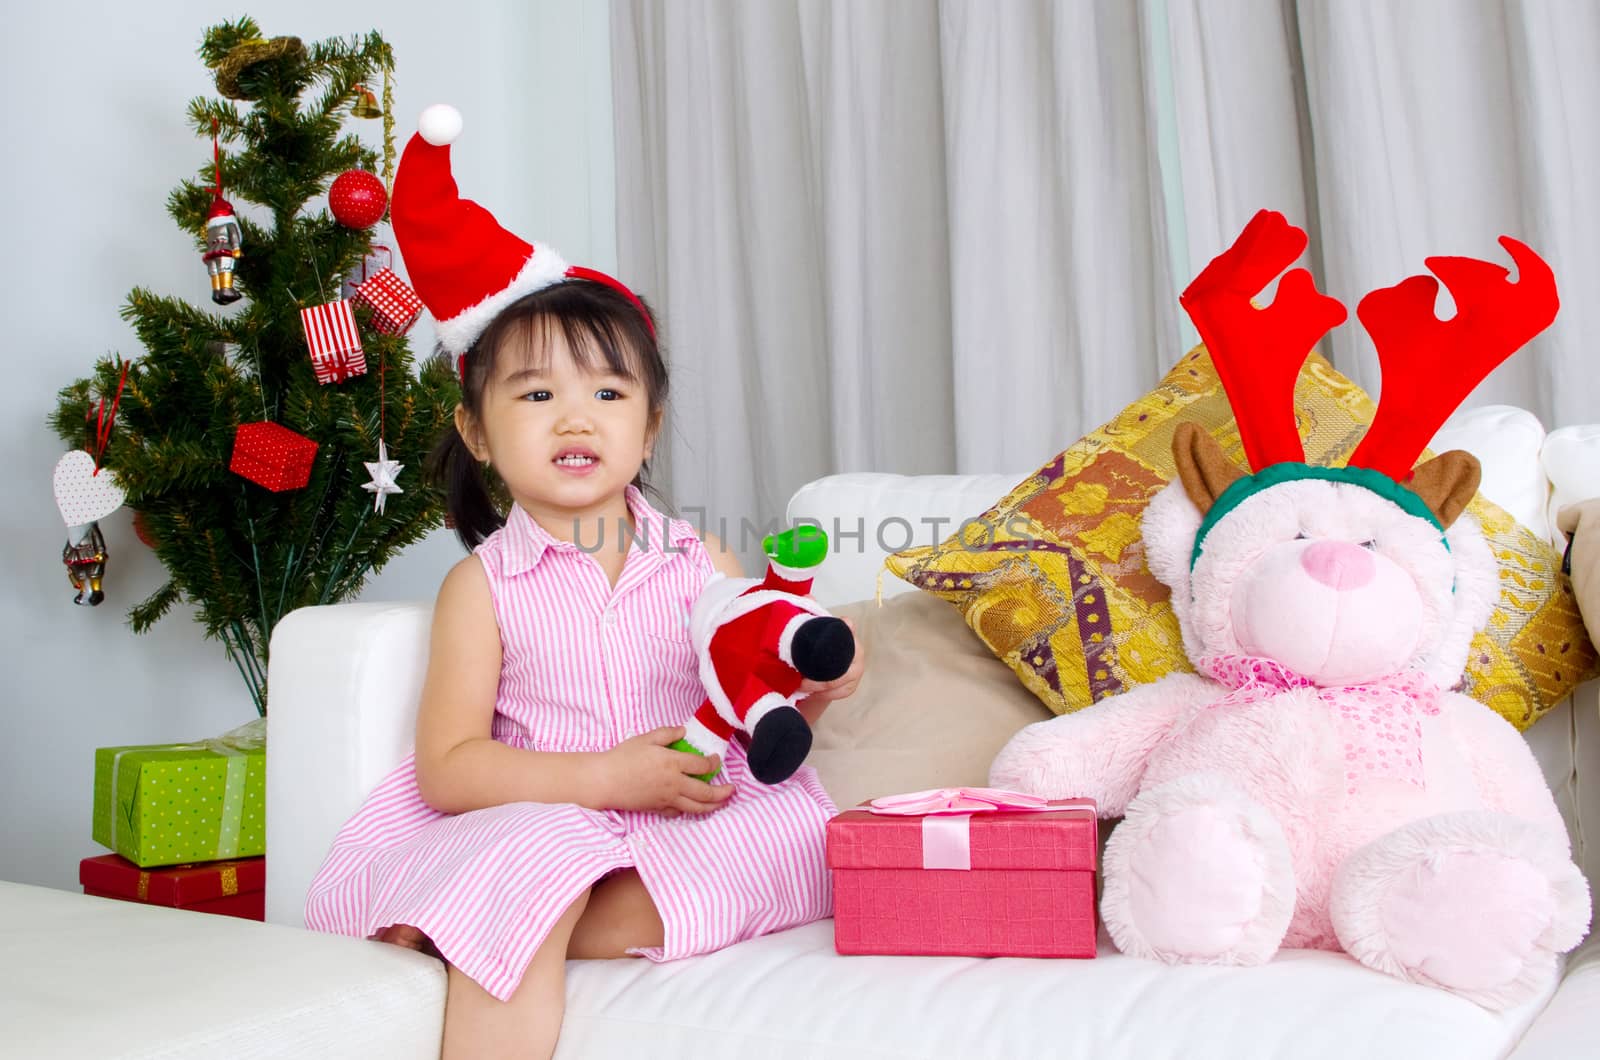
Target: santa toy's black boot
(778, 745)
(823, 648)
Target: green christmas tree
(244, 555)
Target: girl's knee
(409, 937)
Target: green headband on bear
(1288, 471)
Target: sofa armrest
(344, 683)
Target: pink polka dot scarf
(1379, 722)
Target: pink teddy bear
(1316, 784)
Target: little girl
(543, 815)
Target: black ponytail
(468, 499)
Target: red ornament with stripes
(336, 351)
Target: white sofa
(340, 719)
(88, 977)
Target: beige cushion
(933, 709)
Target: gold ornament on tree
(388, 130)
(243, 57)
(366, 104)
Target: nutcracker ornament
(224, 239)
(757, 641)
(85, 559)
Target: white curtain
(1440, 126)
(912, 236)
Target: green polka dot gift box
(168, 804)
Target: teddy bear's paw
(1478, 903)
(1198, 873)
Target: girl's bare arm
(460, 767)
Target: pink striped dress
(586, 665)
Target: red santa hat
(463, 265)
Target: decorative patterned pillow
(1053, 577)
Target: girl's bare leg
(525, 1027)
(620, 916)
(409, 937)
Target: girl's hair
(601, 328)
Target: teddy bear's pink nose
(1339, 564)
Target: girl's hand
(818, 694)
(644, 773)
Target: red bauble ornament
(141, 530)
(357, 199)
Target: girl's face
(567, 440)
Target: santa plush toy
(1318, 783)
(757, 641)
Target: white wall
(95, 140)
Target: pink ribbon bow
(1379, 722)
(947, 818)
(957, 800)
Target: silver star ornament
(383, 473)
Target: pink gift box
(995, 883)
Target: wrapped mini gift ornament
(970, 872)
(335, 344)
(395, 306)
(378, 259)
(272, 456)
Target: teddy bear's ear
(1446, 483)
(1202, 466)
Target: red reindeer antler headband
(1429, 365)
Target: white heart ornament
(81, 495)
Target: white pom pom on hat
(440, 124)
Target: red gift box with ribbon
(336, 351)
(395, 306)
(971, 872)
(228, 888)
(272, 456)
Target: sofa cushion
(933, 708)
(1581, 524)
(1053, 575)
(790, 996)
(1571, 461)
(1508, 442)
(870, 515)
(82, 977)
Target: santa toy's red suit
(757, 641)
